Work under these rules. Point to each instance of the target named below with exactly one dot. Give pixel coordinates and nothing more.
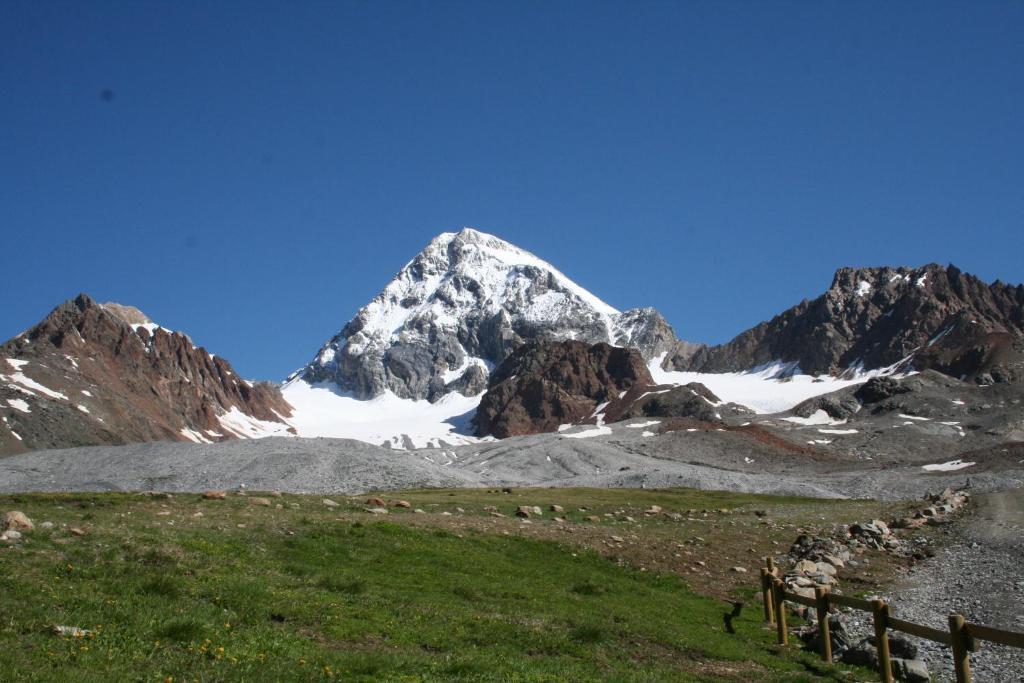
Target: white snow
(193, 435)
(640, 425)
(16, 435)
(957, 402)
(818, 417)
(18, 404)
(323, 410)
(236, 422)
(863, 288)
(921, 280)
(19, 378)
(599, 430)
(914, 417)
(838, 431)
(82, 408)
(770, 388)
(647, 433)
(86, 393)
(948, 466)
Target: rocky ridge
(869, 318)
(91, 374)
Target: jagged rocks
(92, 374)
(930, 317)
(546, 384)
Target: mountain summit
(460, 307)
(92, 373)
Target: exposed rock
(111, 376)
(17, 520)
(402, 504)
(215, 495)
(376, 502)
(930, 317)
(462, 305)
(262, 502)
(545, 384)
(330, 503)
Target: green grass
(298, 594)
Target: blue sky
(260, 170)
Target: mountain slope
(92, 374)
(871, 318)
(459, 308)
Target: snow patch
(818, 417)
(770, 388)
(948, 466)
(323, 410)
(18, 404)
(643, 424)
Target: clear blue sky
(261, 170)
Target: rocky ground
(977, 573)
(623, 455)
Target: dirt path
(978, 574)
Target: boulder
(18, 521)
(262, 502)
(215, 495)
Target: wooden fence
(962, 636)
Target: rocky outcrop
(92, 374)
(931, 317)
(459, 308)
(694, 401)
(546, 384)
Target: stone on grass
(262, 502)
(403, 504)
(215, 495)
(376, 502)
(556, 508)
(330, 503)
(377, 511)
(17, 520)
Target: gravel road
(977, 574)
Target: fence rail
(962, 636)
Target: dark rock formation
(545, 384)
(931, 317)
(92, 374)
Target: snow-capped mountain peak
(459, 307)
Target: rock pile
(942, 505)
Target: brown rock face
(930, 317)
(94, 374)
(545, 384)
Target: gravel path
(977, 574)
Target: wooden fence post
(766, 590)
(779, 592)
(824, 632)
(880, 610)
(961, 660)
